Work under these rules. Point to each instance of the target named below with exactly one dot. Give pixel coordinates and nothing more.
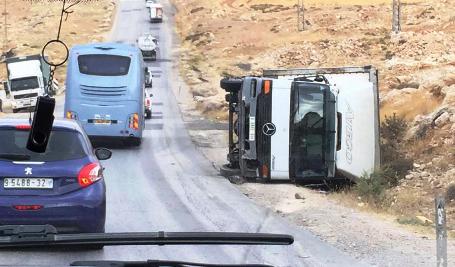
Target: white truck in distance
(307, 125)
(27, 79)
(148, 45)
(155, 10)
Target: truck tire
(227, 171)
(230, 98)
(15, 110)
(231, 84)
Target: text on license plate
(252, 129)
(99, 121)
(28, 183)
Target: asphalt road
(168, 185)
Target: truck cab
(27, 79)
(299, 125)
(155, 11)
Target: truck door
(358, 119)
(279, 149)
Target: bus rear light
(266, 86)
(134, 121)
(89, 174)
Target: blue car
(63, 187)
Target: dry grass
(411, 105)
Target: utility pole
(300, 15)
(396, 16)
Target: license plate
(105, 122)
(28, 183)
(252, 130)
(27, 104)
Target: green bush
(372, 186)
(394, 161)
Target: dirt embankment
(31, 24)
(416, 66)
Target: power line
(300, 15)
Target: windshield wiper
(47, 235)
(15, 156)
(159, 263)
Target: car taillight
(25, 127)
(28, 207)
(71, 115)
(89, 174)
(134, 121)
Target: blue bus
(105, 91)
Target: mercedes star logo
(269, 129)
(28, 171)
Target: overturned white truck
(309, 125)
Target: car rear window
(62, 145)
(104, 65)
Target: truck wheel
(227, 171)
(15, 110)
(231, 84)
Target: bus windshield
(307, 150)
(24, 83)
(104, 65)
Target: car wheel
(148, 114)
(135, 141)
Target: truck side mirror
(6, 88)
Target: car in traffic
(148, 104)
(63, 187)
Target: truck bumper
(23, 103)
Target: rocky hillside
(416, 66)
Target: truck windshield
(104, 65)
(63, 145)
(24, 83)
(307, 130)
